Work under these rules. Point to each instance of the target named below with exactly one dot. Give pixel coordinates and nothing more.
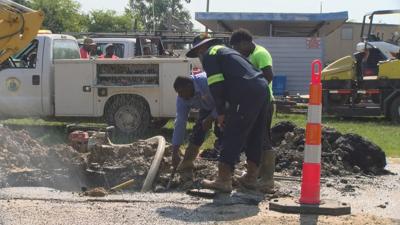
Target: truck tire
(395, 110)
(129, 114)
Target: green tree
(60, 15)
(22, 2)
(168, 14)
(109, 21)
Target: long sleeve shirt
(202, 99)
(224, 67)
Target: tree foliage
(60, 15)
(66, 16)
(168, 14)
(109, 21)
(22, 2)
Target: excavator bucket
(18, 26)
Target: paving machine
(367, 83)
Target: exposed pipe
(155, 165)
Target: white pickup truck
(47, 79)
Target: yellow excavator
(19, 25)
(368, 82)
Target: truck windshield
(65, 49)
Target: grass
(377, 130)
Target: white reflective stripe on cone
(312, 154)
(314, 113)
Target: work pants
(245, 122)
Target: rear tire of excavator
(395, 110)
(129, 114)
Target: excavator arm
(19, 25)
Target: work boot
(249, 179)
(223, 181)
(185, 168)
(266, 183)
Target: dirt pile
(25, 162)
(111, 165)
(342, 154)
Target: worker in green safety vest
(242, 41)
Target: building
(293, 39)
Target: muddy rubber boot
(266, 183)
(249, 179)
(223, 181)
(185, 168)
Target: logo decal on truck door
(13, 84)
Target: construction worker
(239, 92)
(88, 49)
(242, 41)
(193, 93)
(110, 52)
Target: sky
(356, 8)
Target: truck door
(20, 82)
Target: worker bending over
(193, 93)
(234, 82)
(242, 41)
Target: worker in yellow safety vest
(242, 41)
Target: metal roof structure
(274, 24)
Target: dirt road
(373, 201)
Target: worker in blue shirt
(193, 93)
(235, 83)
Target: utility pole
(320, 7)
(207, 10)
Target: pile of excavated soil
(112, 165)
(25, 162)
(342, 154)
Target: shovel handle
(123, 185)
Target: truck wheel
(395, 110)
(129, 115)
